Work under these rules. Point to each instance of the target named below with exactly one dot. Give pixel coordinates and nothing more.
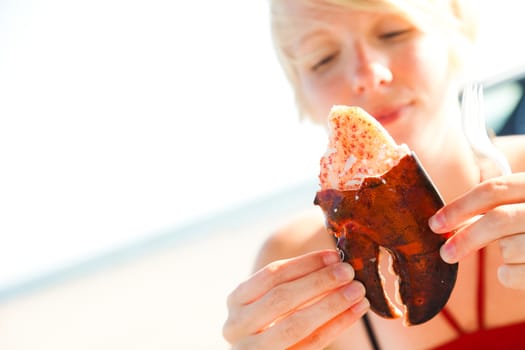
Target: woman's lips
(390, 114)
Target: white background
(125, 119)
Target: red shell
(392, 211)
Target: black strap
(370, 332)
(368, 326)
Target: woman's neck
(452, 166)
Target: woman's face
(381, 62)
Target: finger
(246, 317)
(500, 222)
(279, 272)
(513, 249)
(293, 295)
(512, 276)
(305, 322)
(480, 199)
(330, 331)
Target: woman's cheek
(430, 64)
(321, 94)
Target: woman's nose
(369, 71)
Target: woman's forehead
(298, 21)
(307, 9)
(321, 8)
(303, 15)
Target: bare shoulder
(300, 236)
(514, 148)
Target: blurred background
(147, 148)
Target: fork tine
(466, 112)
(475, 129)
(480, 110)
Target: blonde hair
(457, 18)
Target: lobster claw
(392, 211)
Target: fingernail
(353, 291)
(331, 258)
(448, 252)
(361, 307)
(436, 222)
(503, 275)
(343, 272)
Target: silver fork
(475, 130)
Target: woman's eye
(394, 34)
(324, 61)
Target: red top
(507, 337)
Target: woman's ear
(466, 14)
(463, 39)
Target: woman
(402, 61)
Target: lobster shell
(392, 211)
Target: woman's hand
(299, 303)
(494, 210)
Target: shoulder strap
(370, 332)
(480, 299)
(481, 289)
